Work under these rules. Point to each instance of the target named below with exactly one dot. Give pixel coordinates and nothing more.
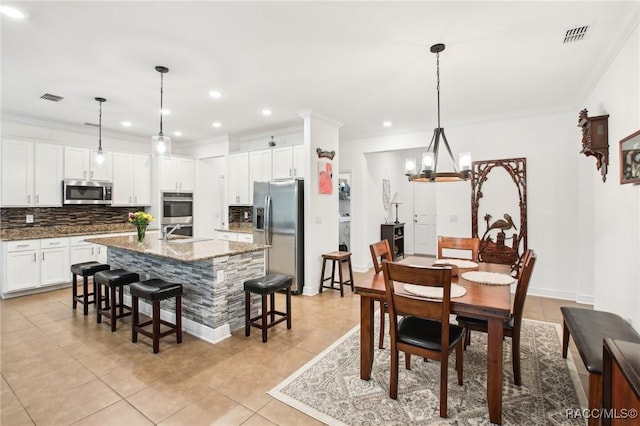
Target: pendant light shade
(427, 169)
(99, 153)
(161, 144)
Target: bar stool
(155, 290)
(267, 285)
(112, 279)
(336, 257)
(85, 270)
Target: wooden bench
(589, 328)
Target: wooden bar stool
(112, 280)
(267, 285)
(155, 290)
(85, 270)
(336, 257)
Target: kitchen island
(212, 273)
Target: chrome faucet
(166, 234)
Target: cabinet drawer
(245, 238)
(22, 245)
(229, 236)
(79, 240)
(54, 242)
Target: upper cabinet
(288, 162)
(176, 174)
(239, 179)
(80, 164)
(131, 180)
(259, 168)
(31, 174)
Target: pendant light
(161, 144)
(428, 171)
(99, 153)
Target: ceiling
(359, 63)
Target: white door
(209, 211)
(424, 218)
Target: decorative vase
(141, 231)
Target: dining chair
(424, 329)
(381, 250)
(459, 243)
(513, 326)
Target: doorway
(209, 212)
(344, 211)
(424, 219)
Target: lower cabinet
(81, 251)
(54, 261)
(35, 263)
(234, 236)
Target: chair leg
(340, 276)
(247, 313)
(179, 318)
(393, 381)
(515, 358)
(135, 320)
(565, 339)
(74, 290)
(289, 308)
(467, 339)
(156, 326)
(85, 295)
(264, 318)
(444, 366)
(595, 397)
(97, 288)
(407, 361)
(324, 264)
(460, 363)
(381, 340)
(351, 275)
(272, 300)
(112, 295)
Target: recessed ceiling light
(125, 123)
(387, 124)
(216, 124)
(215, 94)
(266, 112)
(165, 111)
(177, 133)
(13, 12)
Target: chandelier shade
(161, 144)
(100, 153)
(427, 169)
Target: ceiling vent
(50, 97)
(575, 34)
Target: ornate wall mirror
(499, 210)
(630, 158)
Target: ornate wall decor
(503, 233)
(595, 139)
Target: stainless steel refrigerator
(278, 220)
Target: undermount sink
(188, 240)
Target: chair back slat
(459, 243)
(523, 285)
(380, 251)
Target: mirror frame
(624, 163)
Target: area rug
(329, 389)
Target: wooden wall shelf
(595, 139)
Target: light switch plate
(29, 218)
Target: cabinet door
(259, 168)
(23, 270)
(101, 172)
(299, 159)
(48, 166)
(101, 252)
(283, 162)
(54, 266)
(82, 253)
(17, 173)
(238, 179)
(142, 180)
(123, 181)
(76, 163)
(168, 174)
(186, 174)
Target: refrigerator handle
(267, 219)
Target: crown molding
(309, 114)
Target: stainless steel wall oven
(177, 208)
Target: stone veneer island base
(212, 273)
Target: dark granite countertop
(37, 232)
(242, 228)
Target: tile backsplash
(237, 214)
(15, 218)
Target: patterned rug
(329, 389)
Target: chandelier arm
(446, 144)
(436, 147)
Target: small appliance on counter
(86, 192)
(278, 220)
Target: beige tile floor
(61, 368)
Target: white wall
(610, 239)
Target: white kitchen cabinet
(131, 180)
(82, 251)
(176, 174)
(80, 164)
(245, 238)
(31, 174)
(234, 236)
(288, 162)
(22, 267)
(54, 261)
(259, 168)
(238, 189)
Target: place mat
(434, 292)
(460, 263)
(492, 278)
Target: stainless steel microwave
(86, 192)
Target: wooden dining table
(488, 302)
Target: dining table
(483, 301)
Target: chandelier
(161, 144)
(100, 153)
(429, 167)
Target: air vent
(91, 124)
(50, 97)
(576, 34)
